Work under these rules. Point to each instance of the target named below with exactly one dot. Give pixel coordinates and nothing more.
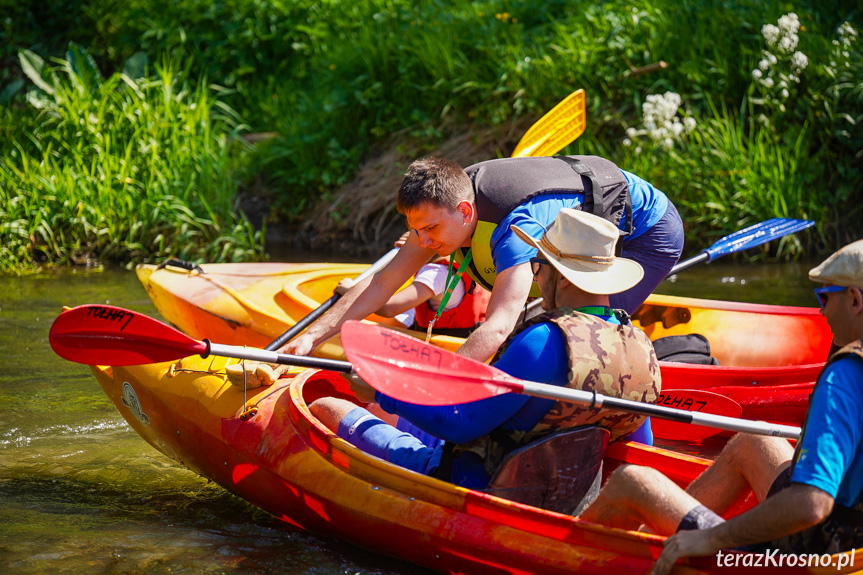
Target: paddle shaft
(269, 356)
(685, 265)
(594, 399)
(320, 310)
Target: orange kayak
(280, 458)
(769, 355)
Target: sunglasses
(822, 293)
(536, 262)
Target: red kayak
(272, 452)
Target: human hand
(694, 543)
(344, 285)
(401, 241)
(303, 344)
(362, 390)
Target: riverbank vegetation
(125, 126)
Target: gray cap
(844, 268)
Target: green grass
(119, 170)
(336, 80)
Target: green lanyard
(596, 310)
(452, 280)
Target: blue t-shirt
(536, 215)
(831, 457)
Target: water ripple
(16, 438)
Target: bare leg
(636, 495)
(331, 410)
(747, 462)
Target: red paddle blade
(692, 400)
(411, 370)
(108, 335)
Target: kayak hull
(280, 458)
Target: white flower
(799, 61)
(771, 34)
(846, 29)
(676, 129)
(789, 24)
(638, 150)
(787, 44)
(631, 132)
(689, 123)
(667, 143)
(847, 33)
(785, 93)
(627, 142)
(768, 82)
(763, 65)
(772, 58)
(756, 74)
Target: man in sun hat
(579, 343)
(468, 213)
(810, 499)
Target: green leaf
(32, 66)
(83, 66)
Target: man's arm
(791, 510)
(364, 298)
(511, 288)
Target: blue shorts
(657, 250)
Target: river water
(80, 492)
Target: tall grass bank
(123, 144)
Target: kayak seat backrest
(561, 472)
(690, 348)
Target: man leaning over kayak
(579, 342)
(468, 214)
(810, 499)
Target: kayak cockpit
(560, 473)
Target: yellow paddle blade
(556, 130)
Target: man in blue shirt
(810, 500)
(579, 343)
(468, 213)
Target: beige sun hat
(581, 247)
(844, 268)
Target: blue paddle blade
(756, 235)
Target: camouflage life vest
(842, 530)
(614, 360)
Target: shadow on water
(80, 492)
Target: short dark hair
(435, 181)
